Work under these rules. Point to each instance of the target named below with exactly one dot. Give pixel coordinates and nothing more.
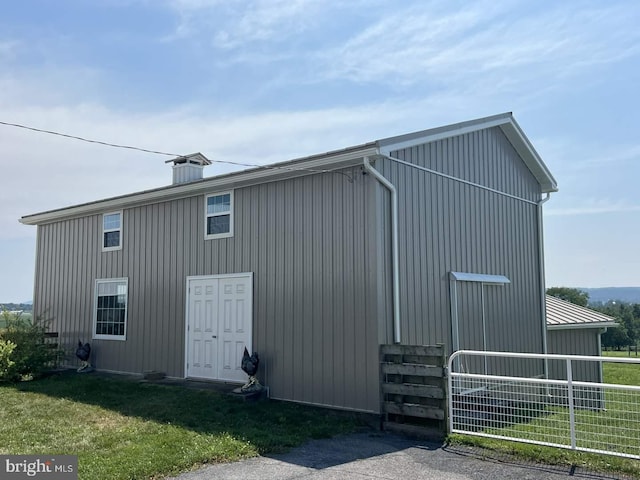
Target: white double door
(219, 325)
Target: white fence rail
(554, 400)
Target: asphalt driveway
(374, 455)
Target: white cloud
(569, 154)
(337, 63)
(593, 207)
(483, 48)
(8, 49)
(425, 43)
(59, 172)
(609, 157)
(235, 23)
(266, 21)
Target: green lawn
(619, 353)
(621, 373)
(125, 429)
(590, 424)
(25, 316)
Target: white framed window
(218, 221)
(110, 309)
(111, 231)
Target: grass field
(618, 419)
(123, 429)
(621, 373)
(27, 317)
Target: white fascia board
(525, 149)
(230, 181)
(582, 326)
(455, 130)
(479, 277)
(509, 127)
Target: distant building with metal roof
(562, 314)
(575, 330)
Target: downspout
(543, 301)
(397, 338)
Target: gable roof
(504, 121)
(563, 315)
(320, 163)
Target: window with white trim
(110, 311)
(112, 231)
(219, 215)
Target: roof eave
(586, 325)
(525, 149)
(269, 173)
(504, 121)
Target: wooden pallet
(413, 389)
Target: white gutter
(397, 338)
(543, 301)
(243, 178)
(581, 326)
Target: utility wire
(89, 140)
(129, 147)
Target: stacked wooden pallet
(413, 384)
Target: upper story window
(112, 231)
(219, 215)
(110, 311)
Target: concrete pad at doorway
(375, 455)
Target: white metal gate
(573, 409)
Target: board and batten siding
(446, 225)
(310, 244)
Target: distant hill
(603, 295)
(26, 307)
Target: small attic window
(219, 215)
(111, 231)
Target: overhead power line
(129, 147)
(75, 137)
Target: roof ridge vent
(188, 168)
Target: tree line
(627, 315)
(12, 307)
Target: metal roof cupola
(188, 168)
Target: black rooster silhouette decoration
(249, 365)
(83, 352)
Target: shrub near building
(23, 351)
(6, 349)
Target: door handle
(214, 336)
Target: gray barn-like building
(431, 237)
(575, 330)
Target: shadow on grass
(270, 426)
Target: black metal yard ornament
(83, 352)
(249, 365)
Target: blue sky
(264, 81)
